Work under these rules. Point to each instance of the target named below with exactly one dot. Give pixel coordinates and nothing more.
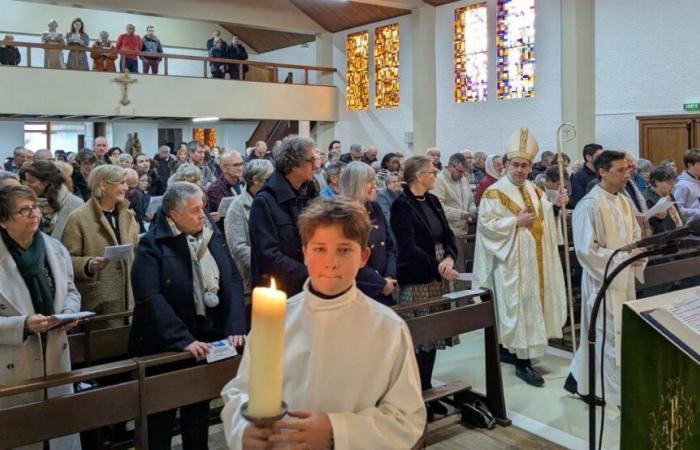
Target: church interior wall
(11, 135)
(21, 17)
(304, 55)
(486, 126)
(647, 61)
(385, 128)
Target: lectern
(660, 375)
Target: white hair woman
(104, 220)
(36, 282)
(237, 220)
(377, 279)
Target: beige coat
(456, 199)
(86, 235)
(22, 359)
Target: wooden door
(696, 133)
(665, 138)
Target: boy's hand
(255, 438)
(312, 432)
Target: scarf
(490, 169)
(49, 216)
(205, 272)
(31, 264)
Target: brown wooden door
(696, 133)
(665, 138)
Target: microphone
(691, 228)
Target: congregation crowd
(192, 265)
(104, 52)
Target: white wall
(384, 128)
(228, 134)
(32, 18)
(647, 60)
(11, 136)
(304, 55)
(486, 126)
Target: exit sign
(691, 106)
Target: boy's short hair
(344, 212)
(691, 156)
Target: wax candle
(266, 348)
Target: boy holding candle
(350, 374)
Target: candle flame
(272, 284)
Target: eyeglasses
(432, 172)
(234, 165)
(27, 211)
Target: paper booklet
(680, 322)
(224, 206)
(662, 205)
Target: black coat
(416, 262)
(580, 184)
(164, 315)
(237, 52)
(274, 235)
(10, 56)
(382, 261)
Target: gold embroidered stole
(536, 229)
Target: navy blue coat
(275, 242)
(164, 314)
(382, 261)
(416, 262)
(580, 184)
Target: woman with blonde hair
(104, 220)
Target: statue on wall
(133, 145)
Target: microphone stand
(666, 249)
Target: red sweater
(126, 41)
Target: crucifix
(125, 81)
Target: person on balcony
(237, 51)
(77, 59)
(215, 36)
(151, 43)
(131, 42)
(9, 55)
(53, 59)
(218, 69)
(102, 61)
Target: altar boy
(350, 374)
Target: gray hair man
(356, 153)
(275, 240)
(455, 194)
(434, 154)
(259, 152)
(229, 184)
(99, 148)
(20, 156)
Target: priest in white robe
(604, 221)
(517, 257)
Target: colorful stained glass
(515, 41)
(386, 66)
(471, 53)
(357, 55)
(205, 135)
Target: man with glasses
(275, 242)
(517, 257)
(229, 184)
(455, 195)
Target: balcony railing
(259, 71)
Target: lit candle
(266, 348)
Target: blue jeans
(132, 65)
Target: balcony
(183, 91)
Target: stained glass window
(386, 66)
(515, 40)
(205, 135)
(471, 53)
(357, 54)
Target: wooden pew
(90, 346)
(462, 319)
(164, 391)
(47, 419)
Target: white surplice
(350, 357)
(521, 266)
(603, 222)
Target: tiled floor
(549, 412)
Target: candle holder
(263, 421)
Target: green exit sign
(691, 106)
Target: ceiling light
(205, 119)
